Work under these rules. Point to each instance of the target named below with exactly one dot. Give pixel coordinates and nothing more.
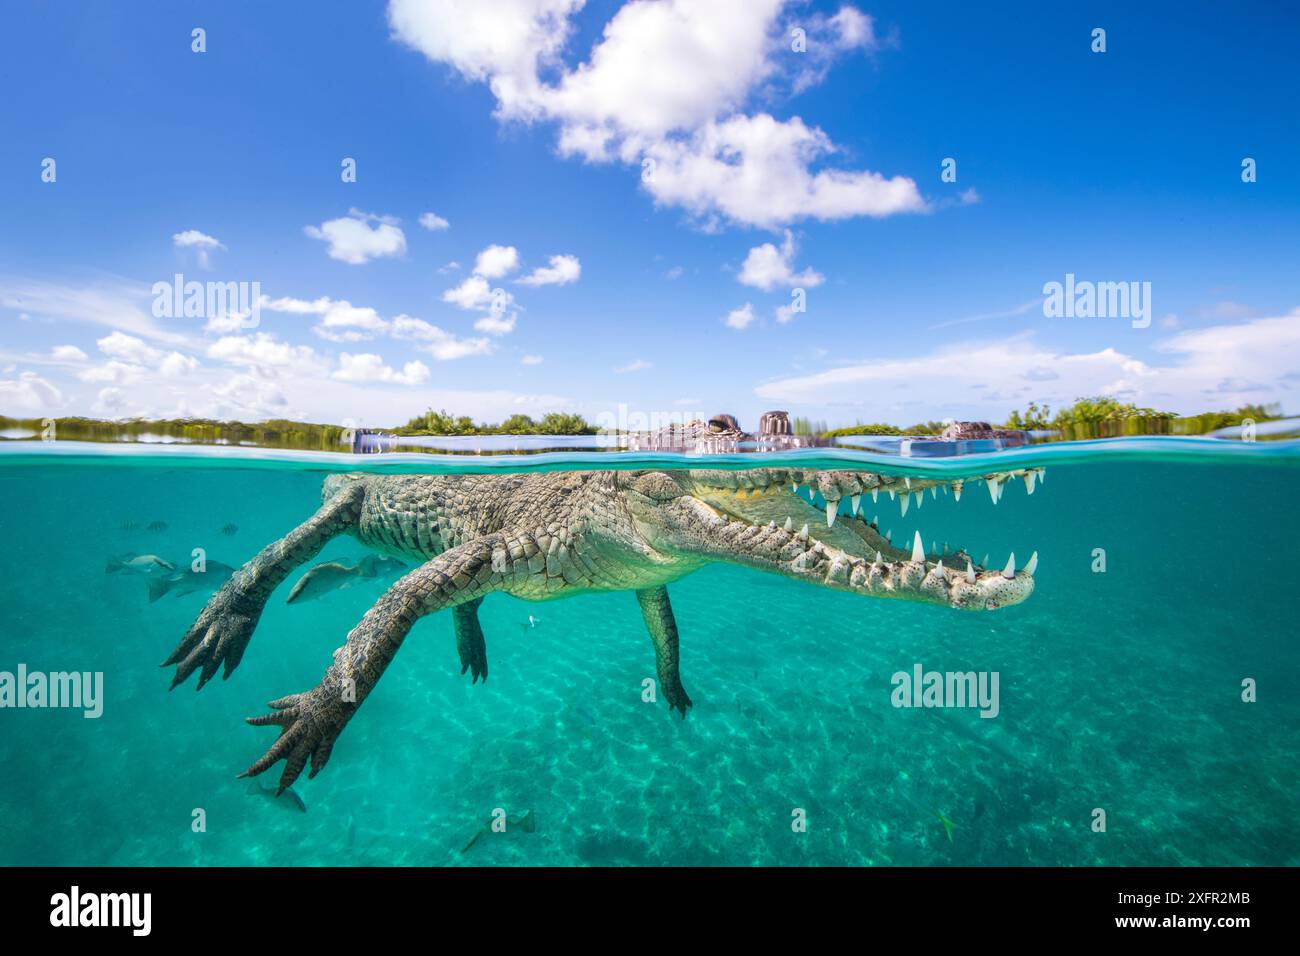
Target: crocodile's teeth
(907, 481)
(1029, 481)
(875, 521)
(903, 502)
(789, 525)
(1042, 474)
(771, 525)
(794, 488)
(970, 572)
(879, 559)
(830, 513)
(891, 494)
(985, 562)
(918, 552)
(920, 498)
(993, 489)
(855, 502)
(1032, 564)
(875, 494)
(1010, 570)
(934, 491)
(889, 535)
(933, 548)
(803, 533)
(956, 490)
(938, 567)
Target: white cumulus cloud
(438, 342)
(497, 261)
(494, 324)
(203, 244)
(1220, 367)
(739, 318)
(340, 320)
(368, 367)
(359, 237)
(767, 267)
(665, 87)
(29, 393)
(562, 270)
(477, 293)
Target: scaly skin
(550, 535)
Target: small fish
(188, 581)
(908, 793)
(129, 526)
(157, 526)
(374, 565)
(335, 575)
(229, 530)
(527, 823)
(323, 578)
(288, 800)
(138, 564)
(531, 623)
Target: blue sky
(642, 185)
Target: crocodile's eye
(657, 486)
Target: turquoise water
(1118, 690)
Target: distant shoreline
(1085, 419)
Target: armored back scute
(775, 423)
(724, 423)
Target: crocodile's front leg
(225, 625)
(311, 722)
(469, 639)
(658, 614)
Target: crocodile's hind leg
(311, 722)
(225, 625)
(469, 639)
(658, 614)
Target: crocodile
(541, 536)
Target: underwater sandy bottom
(1118, 691)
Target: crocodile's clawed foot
(678, 698)
(470, 644)
(473, 657)
(309, 725)
(219, 636)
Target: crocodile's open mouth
(813, 525)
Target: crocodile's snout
(767, 518)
